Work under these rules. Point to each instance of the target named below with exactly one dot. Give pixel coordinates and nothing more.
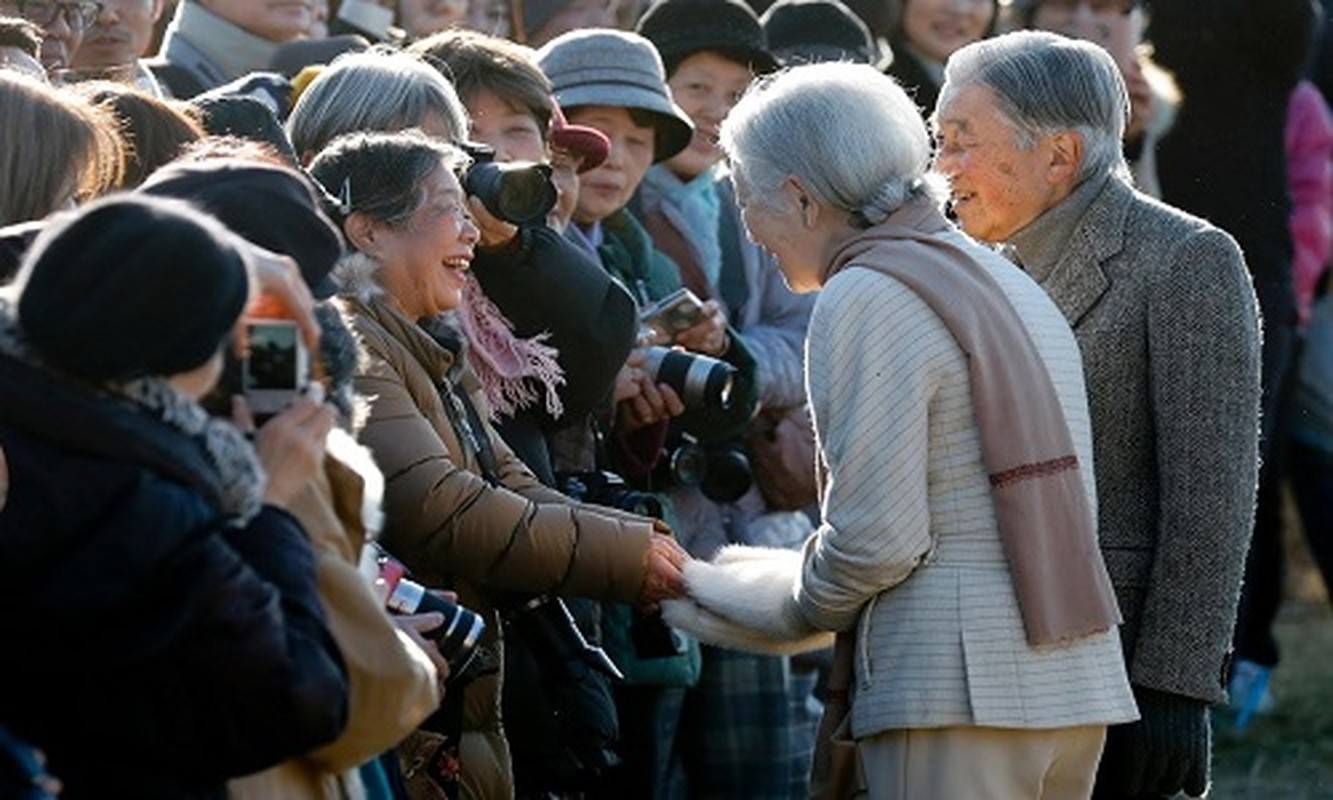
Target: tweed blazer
(1166, 319)
(908, 549)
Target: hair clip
(345, 197)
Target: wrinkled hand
(1165, 752)
(278, 277)
(663, 579)
(495, 232)
(709, 334)
(290, 446)
(414, 625)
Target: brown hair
(52, 144)
(155, 131)
(475, 62)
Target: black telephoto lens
(701, 381)
(457, 638)
(520, 193)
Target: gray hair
(372, 91)
(846, 131)
(1045, 83)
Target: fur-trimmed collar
(235, 481)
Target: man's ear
(1066, 157)
(361, 232)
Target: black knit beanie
(680, 28)
(276, 208)
(810, 31)
(131, 286)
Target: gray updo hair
(846, 131)
(1045, 83)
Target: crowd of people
(654, 398)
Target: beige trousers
(971, 763)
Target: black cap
(132, 286)
(277, 208)
(680, 28)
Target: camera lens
(519, 193)
(457, 638)
(701, 381)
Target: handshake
(745, 599)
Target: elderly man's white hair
(846, 131)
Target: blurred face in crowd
(608, 188)
(573, 15)
(1115, 25)
(421, 18)
(997, 186)
(508, 127)
(123, 32)
(706, 86)
(274, 20)
(488, 16)
(63, 23)
(424, 260)
(939, 27)
(516, 136)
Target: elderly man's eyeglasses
(79, 15)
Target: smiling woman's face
(274, 20)
(424, 260)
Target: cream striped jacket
(908, 548)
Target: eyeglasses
(1097, 6)
(79, 15)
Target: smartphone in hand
(678, 311)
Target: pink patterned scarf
(510, 368)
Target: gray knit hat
(604, 67)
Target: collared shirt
(1039, 246)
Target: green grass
(1288, 753)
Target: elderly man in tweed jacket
(1028, 127)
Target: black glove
(1165, 752)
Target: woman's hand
(495, 232)
(663, 579)
(414, 626)
(639, 401)
(709, 334)
(291, 444)
(278, 277)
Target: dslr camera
(456, 638)
(520, 193)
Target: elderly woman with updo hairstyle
(160, 599)
(956, 546)
(460, 509)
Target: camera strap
(471, 431)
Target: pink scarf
(510, 368)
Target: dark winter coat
(151, 649)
